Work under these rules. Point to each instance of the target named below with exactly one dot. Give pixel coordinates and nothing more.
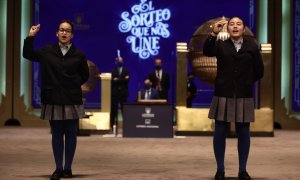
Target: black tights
(243, 134)
(64, 129)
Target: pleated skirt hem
(62, 112)
(232, 109)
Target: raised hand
(33, 30)
(217, 27)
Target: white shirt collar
(235, 42)
(237, 45)
(67, 47)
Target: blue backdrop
(160, 24)
(296, 57)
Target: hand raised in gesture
(33, 30)
(218, 26)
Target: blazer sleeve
(84, 70)
(142, 91)
(258, 65)
(28, 51)
(210, 46)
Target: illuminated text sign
(146, 26)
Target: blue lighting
(146, 26)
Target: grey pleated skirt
(232, 109)
(62, 112)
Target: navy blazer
(119, 87)
(236, 71)
(154, 94)
(62, 75)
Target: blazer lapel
(115, 72)
(71, 50)
(244, 45)
(57, 50)
(231, 45)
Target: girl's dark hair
(66, 21)
(238, 18)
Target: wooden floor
(25, 153)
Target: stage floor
(25, 153)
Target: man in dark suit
(160, 79)
(119, 88)
(148, 92)
(191, 89)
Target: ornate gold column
(181, 74)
